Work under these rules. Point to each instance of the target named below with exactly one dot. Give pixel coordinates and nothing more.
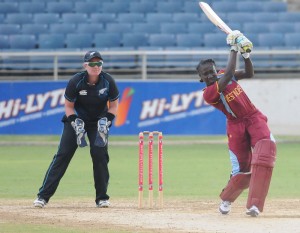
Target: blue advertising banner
(173, 107)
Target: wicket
(150, 167)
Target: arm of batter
(247, 73)
(229, 71)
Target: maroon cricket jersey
(233, 101)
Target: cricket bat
(214, 18)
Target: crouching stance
(251, 145)
(91, 103)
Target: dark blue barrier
(172, 107)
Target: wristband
(110, 117)
(246, 55)
(72, 117)
(234, 48)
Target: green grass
(190, 171)
(34, 228)
(30, 228)
(55, 138)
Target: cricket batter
(87, 112)
(251, 145)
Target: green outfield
(191, 170)
(197, 170)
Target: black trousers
(62, 158)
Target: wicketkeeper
(251, 145)
(87, 112)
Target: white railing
(284, 56)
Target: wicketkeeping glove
(78, 126)
(103, 129)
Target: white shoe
(253, 211)
(39, 202)
(103, 204)
(225, 207)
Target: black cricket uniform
(90, 103)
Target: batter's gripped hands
(78, 126)
(102, 135)
(244, 44)
(231, 39)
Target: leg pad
(235, 187)
(263, 160)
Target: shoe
(253, 211)
(225, 207)
(39, 202)
(103, 204)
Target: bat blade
(214, 18)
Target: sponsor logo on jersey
(83, 92)
(234, 93)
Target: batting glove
(244, 44)
(232, 36)
(103, 129)
(78, 126)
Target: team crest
(102, 91)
